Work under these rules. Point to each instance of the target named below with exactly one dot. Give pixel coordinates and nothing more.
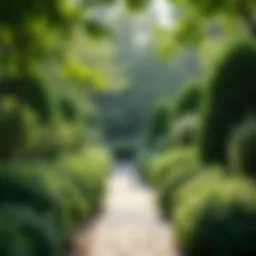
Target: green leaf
(96, 29)
(138, 4)
(84, 74)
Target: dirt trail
(130, 224)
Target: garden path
(130, 224)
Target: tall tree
(197, 20)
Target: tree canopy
(197, 20)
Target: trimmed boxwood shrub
(167, 163)
(50, 199)
(22, 184)
(12, 240)
(143, 163)
(167, 193)
(73, 205)
(189, 98)
(215, 215)
(230, 98)
(25, 232)
(185, 131)
(68, 109)
(88, 172)
(171, 173)
(159, 124)
(242, 148)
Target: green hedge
(50, 199)
(216, 215)
(124, 148)
(185, 131)
(159, 125)
(143, 163)
(25, 232)
(229, 100)
(170, 171)
(36, 95)
(189, 99)
(242, 148)
(165, 164)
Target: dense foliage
(230, 99)
(171, 171)
(189, 98)
(57, 196)
(185, 130)
(212, 209)
(159, 124)
(36, 95)
(217, 216)
(53, 168)
(242, 148)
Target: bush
(231, 97)
(88, 172)
(159, 124)
(24, 232)
(36, 95)
(167, 193)
(22, 184)
(189, 99)
(165, 164)
(143, 163)
(82, 185)
(63, 194)
(242, 149)
(15, 134)
(185, 131)
(12, 241)
(74, 206)
(124, 149)
(216, 215)
(171, 172)
(68, 109)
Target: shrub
(12, 241)
(165, 164)
(242, 149)
(173, 171)
(25, 232)
(124, 149)
(159, 124)
(73, 205)
(143, 163)
(65, 192)
(88, 172)
(185, 131)
(216, 215)
(54, 139)
(15, 133)
(230, 97)
(68, 109)
(73, 106)
(36, 95)
(22, 184)
(167, 193)
(189, 99)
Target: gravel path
(130, 224)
